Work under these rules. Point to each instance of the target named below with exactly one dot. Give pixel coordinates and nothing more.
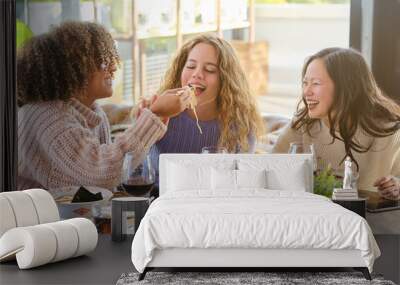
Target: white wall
(42, 15)
(295, 31)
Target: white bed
(247, 210)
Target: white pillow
(228, 179)
(183, 177)
(281, 173)
(223, 179)
(293, 179)
(251, 178)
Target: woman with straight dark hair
(344, 113)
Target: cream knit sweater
(68, 144)
(382, 159)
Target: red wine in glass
(138, 189)
(137, 180)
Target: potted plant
(325, 181)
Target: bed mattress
(250, 219)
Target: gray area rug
(269, 278)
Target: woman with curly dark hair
(63, 134)
(344, 113)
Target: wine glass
(139, 180)
(214, 149)
(299, 147)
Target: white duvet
(250, 219)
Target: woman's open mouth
(198, 88)
(108, 82)
(312, 104)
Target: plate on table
(69, 209)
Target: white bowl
(70, 210)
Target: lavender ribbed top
(183, 136)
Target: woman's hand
(389, 187)
(144, 103)
(171, 103)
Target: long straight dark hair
(358, 102)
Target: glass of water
(300, 147)
(214, 149)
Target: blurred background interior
(272, 38)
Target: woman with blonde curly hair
(344, 113)
(63, 134)
(226, 109)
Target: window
(295, 29)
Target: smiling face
(201, 71)
(318, 89)
(100, 83)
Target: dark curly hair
(57, 65)
(358, 101)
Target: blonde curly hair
(237, 109)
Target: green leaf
(325, 181)
(23, 33)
